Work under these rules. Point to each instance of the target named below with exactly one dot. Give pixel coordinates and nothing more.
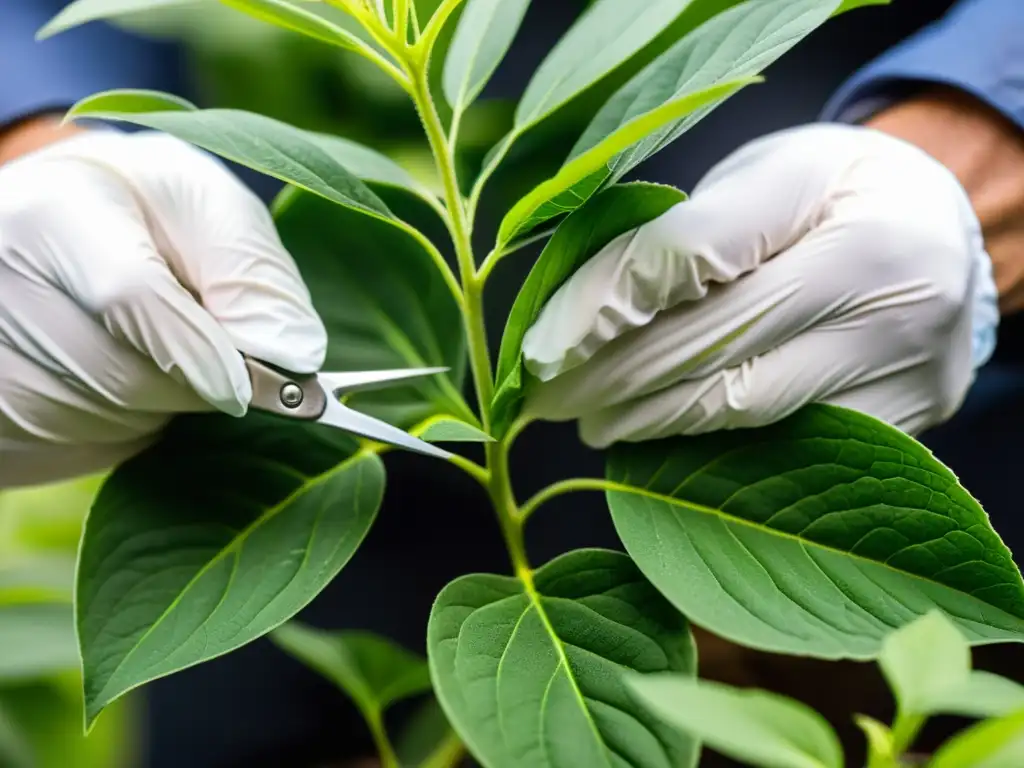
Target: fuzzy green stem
(400, 9)
(433, 29)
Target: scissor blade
(343, 417)
(361, 381)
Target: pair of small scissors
(315, 398)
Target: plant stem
(400, 9)
(905, 730)
(435, 25)
(560, 489)
(386, 752)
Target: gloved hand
(133, 269)
(827, 263)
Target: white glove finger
(221, 242)
(677, 257)
(90, 238)
(51, 430)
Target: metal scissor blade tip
(343, 382)
(343, 417)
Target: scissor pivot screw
(291, 395)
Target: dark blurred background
(258, 708)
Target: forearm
(986, 152)
(26, 136)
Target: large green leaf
(991, 744)
(579, 178)
(482, 38)
(530, 673)
(261, 143)
(383, 301)
(280, 13)
(608, 34)
(372, 670)
(739, 43)
(755, 727)
(614, 212)
(817, 535)
(37, 630)
(218, 534)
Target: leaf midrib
(231, 548)
(617, 487)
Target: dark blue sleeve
(37, 77)
(978, 48)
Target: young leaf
(261, 143)
(881, 747)
(922, 660)
(427, 740)
(277, 12)
(612, 213)
(579, 178)
(80, 12)
(816, 535)
(446, 429)
(530, 673)
(372, 670)
(220, 533)
(756, 727)
(739, 43)
(383, 301)
(482, 38)
(990, 744)
(608, 34)
(981, 695)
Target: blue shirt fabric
(977, 47)
(51, 75)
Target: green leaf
(277, 12)
(37, 630)
(220, 533)
(756, 727)
(372, 167)
(981, 695)
(881, 747)
(372, 670)
(991, 744)
(817, 535)
(739, 43)
(530, 673)
(384, 303)
(614, 212)
(446, 429)
(607, 35)
(269, 146)
(427, 739)
(80, 12)
(579, 178)
(482, 38)
(922, 660)
(849, 5)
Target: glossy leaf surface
(266, 145)
(383, 301)
(755, 727)
(80, 12)
(578, 179)
(612, 213)
(991, 744)
(483, 36)
(530, 674)
(817, 535)
(215, 536)
(738, 43)
(445, 429)
(607, 35)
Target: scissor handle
(284, 393)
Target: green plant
(815, 536)
(927, 664)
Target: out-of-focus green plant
(41, 708)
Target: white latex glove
(827, 263)
(133, 269)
